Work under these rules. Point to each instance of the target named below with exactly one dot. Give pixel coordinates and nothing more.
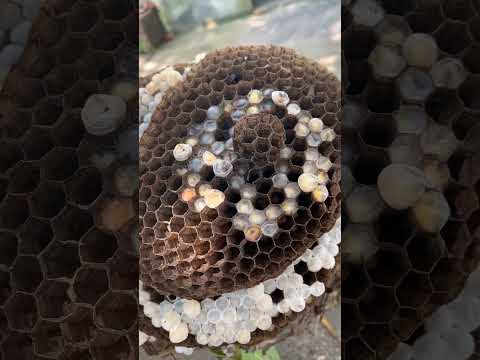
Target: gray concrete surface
(312, 27)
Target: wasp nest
(239, 179)
(411, 135)
(68, 267)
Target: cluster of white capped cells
(448, 330)
(233, 317)
(15, 22)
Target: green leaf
(272, 354)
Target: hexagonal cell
(116, 311)
(380, 338)
(123, 272)
(13, 212)
(382, 97)
(112, 10)
(108, 346)
(53, 299)
(10, 154)
(452, 37)
(471, 59)
(48, 339)
(70, 130)
(108, 38)
(61, 260)
(72, 224)
(21, 311)
(26, 274)
(405, 323)
(414, 290)
(79, 327)
(60, 163)
(60, 79)
(9, 248)
(83, 11)
(37, 143)
(460, 10)
(79, 93)
(47, 200)
(97, 246)
(378, 304)
(357, 349)
(90, 284)
(357, 77)
(5, 287)
(24, 178)
(424, 251)
(388, 266)
(85, 187)
(18, 346)
(34, 236)
(47, 112)
(378, 131)
(443, 106)
(368, 166)
(356, 283)
(468, 93)
(474, 27)
(395, 227)
(463, 124)
(358, 43)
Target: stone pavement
(312, 27)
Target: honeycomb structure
(194, 251)
(68, 262)
(397, 271)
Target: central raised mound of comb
(239, 171)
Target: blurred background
(178, 31)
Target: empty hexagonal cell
(61, 260)
(356, 283)
(69, 130)
(468, 93)
(60, 79)
(369, 166)
(24, 178)
(13, 212)
(60, 164)
(452, 37)
(425, 251)
(72, 224)
(359, 43)
(123, 272)
(378, 304)
(443, 106)
(79, 327)
(382, 97)
(107, 346)
(53, 299)
(116, 311)
(414, 290)
(97, 246)
(378, 131)
(34, 236)
(352, 327)
(37, 143)
(405, 322)
(448, 277)
(357, 349)
(357, 77)
(460, 10)
(471, 59)
(388, 266)
(5, 286)
(88, 13)
(18, 346)
(47, 200)
(9, 248)
(48, 339)
(90, 284)
(21, 311)
(10, 154)
(26, 274)
(47, 112)
(85, 187)
(380, 338)
(395, 227)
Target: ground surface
(313, 28)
